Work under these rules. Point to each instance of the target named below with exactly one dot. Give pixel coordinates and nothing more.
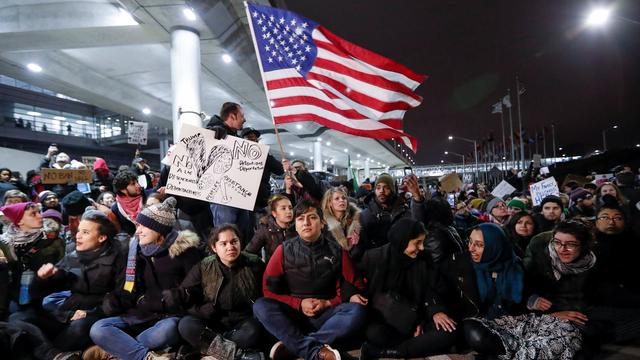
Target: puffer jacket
(269, 236)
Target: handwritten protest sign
(226, 171)
(137, 132)
(504, 188)
(66, 176)
(450, 182)
(602, 178)
(542, 189)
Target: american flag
(310, 74)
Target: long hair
(347, 218)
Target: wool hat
(387, 179)
(552, 198)
(580, 194)
(159, 217)
(52, 214)
(45, 194)
(74, 203)
(493, 203)
(15, 212)
(517, 203)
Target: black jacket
(272, 166)
(617, 284)
(442, 241)
(269, 236)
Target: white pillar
(367, 173)
(185, 77)
(317, 156)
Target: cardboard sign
(66, 176)
(542, 189)
(601, 179)
(537, 160)
(450, 182)
(226, 171)
(504, 188)
(544, 170)
(137, 132)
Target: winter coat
(542, 223)
(221, 294)
(464, 224)
(156, 276)
(88, 284)
(571, 292)
(616, 284)
(442, 241)
(345, 237)
(269, 236)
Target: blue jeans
(288, 325)
(243, 219)
(108, 334)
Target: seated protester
(24, 249)
(616, 248)
(73, 205)
(520, 229)
(515, 206)
(499, 330)
(102, 268)
(463, 220)
(442, 238)
(153, 199)
(343, 218)
(398, 289)
(304, 286)
(497, 211)
(583, 204)
(106, 199)
(130, 199)
(159, 259)
(50, 200)
(277, 229)
(223, 287)
(551, 213)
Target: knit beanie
(159, 217)
(517, 203)
(15, 212)
(387, 179)
(75, 203)
(493, 203)
(45, 194)
(52, 214)
(579, 194)
(552, 198)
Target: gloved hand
(221, 132)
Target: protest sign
(544, 170)
(66, 176)
(504, 188)
(542, 189)
(137, 132)
(226, 171)
(450, 182)
(602, 178)
(537, 161)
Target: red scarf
(130, 205)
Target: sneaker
(97, 353)
(221, 349)
(153, 355)
(69, 355)
(280, 352)
(328, 353)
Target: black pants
(246, 334)
(431, 341)
(611, 324)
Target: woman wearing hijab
(407, 320)
(499, 331)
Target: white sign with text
(504, 188)
(542, 189)
(226, 171)
(137, 132)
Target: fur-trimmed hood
(185, 239)
(353, 229)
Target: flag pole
(520, 123)
(264, 83)
(544, 143)
(513, 154)
(504, 146)
(553, 140)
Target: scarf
(129, 207)
(581, 265)
(88, 256)
(146, 250)
(499, 272)
(16, 237)
(154, 249)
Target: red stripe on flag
(394, 123)
(295, 82)
(304, 100)
(368, 56)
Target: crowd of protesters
(124, 271)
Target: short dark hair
(215, 233)
(5, 169)
(580, 229)
(102, 195)
(123, 179)
(106, 227)
(227, 109)
(304, 206)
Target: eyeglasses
(609, 219)
(569, 246)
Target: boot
(221, 349)
(97, 353)
(249, 354)
(369, 351)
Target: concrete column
(163, 142)
(185, 78)
(367, 173)
(317, 156)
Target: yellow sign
(66, 176)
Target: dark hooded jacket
(269, 236)
(102, 176)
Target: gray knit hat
(387, 179)
(493, 203)
(159, 217)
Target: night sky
(584, 80)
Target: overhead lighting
(34, 67)
(298, 126)
(442, 161)
(319, 139)
(227, 58)
(116, 128)
(108, 118)
(33, 113)
(598, 17)
(560, 148)
(597, 151)
(332, 162)
(637, 145)
(346, 150)
(189, 14)
(146, 111)
(328, 143)
(450, 137)
(311, 158)
(291, 153)
(358, 155)
(82, 122)
(446, 153)
(615, 126)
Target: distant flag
(521, 89)
(506, 100)
(351, 174)
(496, 108)
(310, 74)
